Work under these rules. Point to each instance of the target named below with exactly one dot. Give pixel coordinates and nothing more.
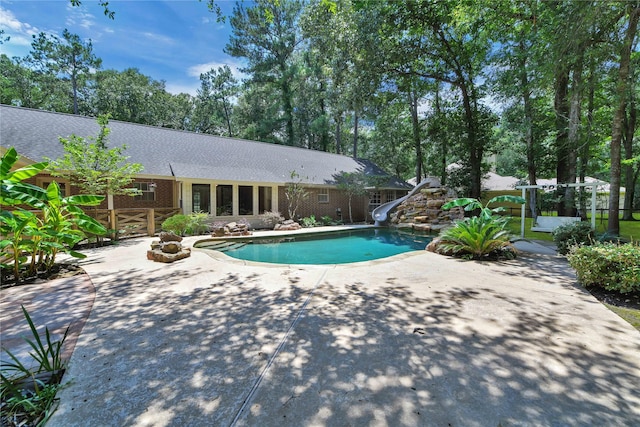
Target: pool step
(222, 246)
(232, 246)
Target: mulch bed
(629, 300)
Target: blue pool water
(328, 248)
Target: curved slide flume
(381, 214)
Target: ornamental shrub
(572, 234)
(615, 267)
(477, 237)
(177, 224)
(198, 223)
(271, 218)
(309, 222)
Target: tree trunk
(561, 106)
(475, 150)
(286, 105)
(227, 116)
(443, 144)
(74, 86)
(338, 120)
(575, 107)
(528, 129)
(324, 135)
(584, 150)
(629, 172)
(613, 225)
(355, 134)
(413, 106)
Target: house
(226, 177)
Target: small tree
(295, 193)
(355, 184)
(93, 167)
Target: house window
(375, 198)
(390, 196)
(224, 200)
(264, 199)
(323, 195)
(245, 200)
(148, 190)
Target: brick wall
(311, 206)
(163, 193)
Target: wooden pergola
(551, 187)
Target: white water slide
(381, 214)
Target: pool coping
(264, 234)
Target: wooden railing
(123, 223)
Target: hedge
(615, 267)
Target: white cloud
(176, 89)
(159, 38)
(78, 16)
(196, 70)
(20, 32)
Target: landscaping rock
(168, 251)
(166, 236)
(159, 256)
(288, 225)
(232, 229)
(423, 211)
(171, 247)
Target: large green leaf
(9, 159)
(507, 199)
(27, 172)
(88, 224)
(84, 200)
(464, 201)
(53, 192)
(17, 193)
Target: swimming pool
(321, 248)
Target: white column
(522, 212)
(593, 206)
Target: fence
(601, 213)
(132, 222)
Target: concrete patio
(415, 340)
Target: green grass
(629, 314)
(628, 229)
(514, 228)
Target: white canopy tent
(548, 187)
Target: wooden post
(151, 222)
(114, 224)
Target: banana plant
(12, 190)
(15, 229)
(36, 239)
(65, 222)
(486, 212)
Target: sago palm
(476, 237)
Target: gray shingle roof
(167, 152)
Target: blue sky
(172, 40)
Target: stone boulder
(232, 229)
(171, 247)
(167, 236)
(167, 251)
(288, 225)
(423, 211)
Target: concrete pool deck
(415, 340)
